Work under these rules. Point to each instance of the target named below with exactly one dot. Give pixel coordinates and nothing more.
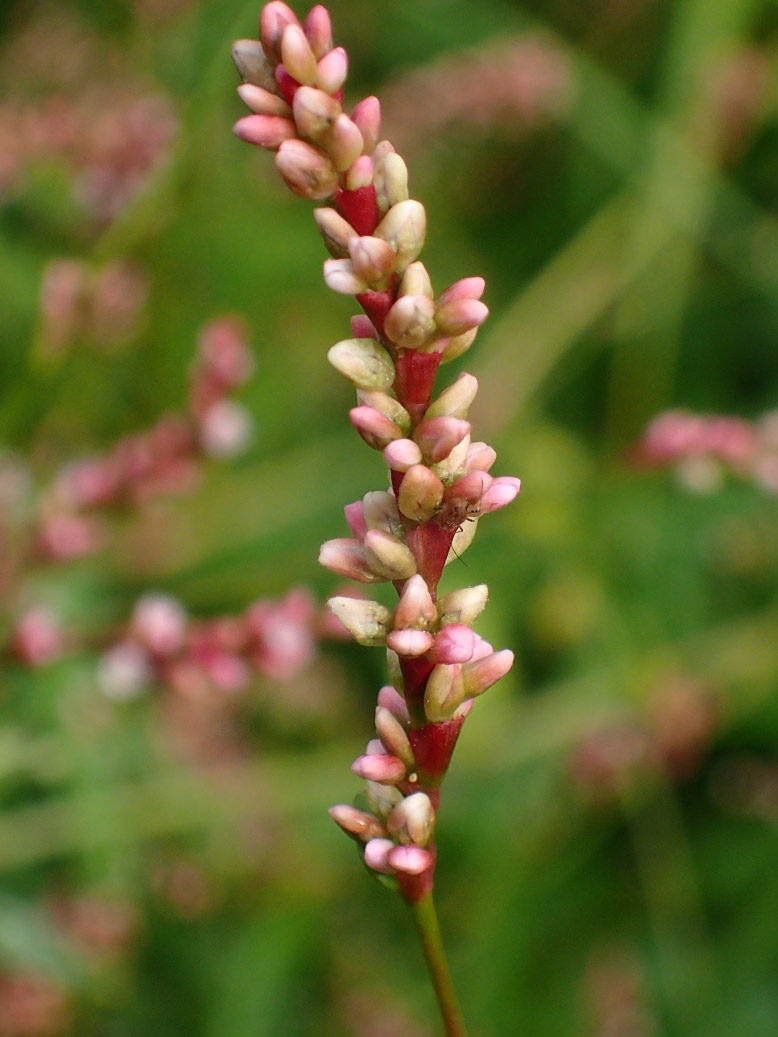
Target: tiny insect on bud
(463, 538)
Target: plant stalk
(426, 919)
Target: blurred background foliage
(610, 825)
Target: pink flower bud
(374, 427)
(458, 345)
(273, 20)
(355, 822)
(402, 454)
(394, 736)
(409, 644)
(124, 671)
(318, 30)
(481, 674)
(454, 644)
(253, 65)
(463, 538)
(315, 113)
(388, 405)
(480, 458)
(410, 860)
(266, 131)
(415, 608)
(391, 180)
(380, 767)
(460, 315)
(340, 276)
(444, 691)
(331, 70)
(360, 175)
(380, 510)
(367, 116)
(363, 327)
(502, 491)
(346, 557)
(297, 55)
(355, 518)
(437, 437)
(376, 855)
(226, 429)
(345, 143)
(410, 322)
(306, 171)
(336, 232)
(262, 101)
(455, 401)
(372, 259)
(470, 489)
(159, 622)
(38, 638)
(467, 288)
(387, 556)
(421, 493)
(391, 699)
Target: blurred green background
(609, 832)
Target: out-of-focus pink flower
(283, 641)
(31, 1006)
(38, 638)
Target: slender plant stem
(426, 919)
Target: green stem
(426, 919)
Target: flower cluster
(704, 448)
(439, 477)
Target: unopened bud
(391, 180)
(463, 606)
(391, 699)
(345, 143)
(415, 609)
(339, 276)
(252, 64)
(377, 855)
(469, 490)
(409, 644)
(364, 362)
(410, 321)
(387, 405)
(481, 674)
(331, 70)
(306, 171)
(297, 56)
(463, 538)
(336, 232)
(410, 860)
(421, 493)
(273, 21)
(346, 557)
(372, 259)
(444, 691)
(387, 556)
(502, 491)
(458, 345)
(357, 823)
(404, 227)
(402, 454)
(382, 799)
(467, 288)
(374, 427)
(360, 174)
(379, 508)
(413, 820)
(455, 401)
(266, 131)
(460, 316)
(367, 116)
(367, 621)
(415, 281)
(363, 327)
(380, 767)
(262, 102)
(318, 30)
(395, 670)
(454, 644)
(315, 113)
(480, 458)
(393, 735)
(437, 437)
(452, 466)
